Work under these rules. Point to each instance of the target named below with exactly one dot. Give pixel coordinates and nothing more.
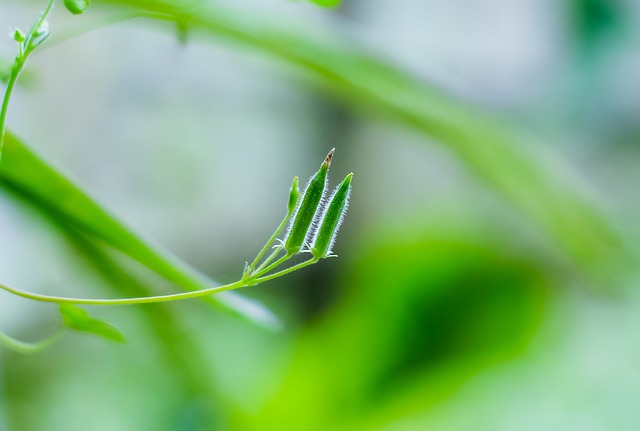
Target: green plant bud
(331, 219)
(294, 194)
(304, 215)
(77, 7)
(18, 35)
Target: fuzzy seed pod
(331, 219)
(304, 215)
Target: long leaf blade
(37, 181)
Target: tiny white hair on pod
(340, 220)
(320, 216)
(320, 208)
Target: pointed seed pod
(294, 194)
(332, 219)
(304, 215)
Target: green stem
(26, 48)
(125, 301)
(267, 260)
(268, 244)
(28, 43)
(251, 281)
(34, 28)
(262, 271)
(288, 270)
(13, 78)
(23, 347)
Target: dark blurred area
(486, 277)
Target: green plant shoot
(301, 216)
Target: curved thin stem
(268, 260)
(250, 281)
(26, 47)
(268, 244)
(125, 301)
(24, 347)
(275, 264)
(13, 78)
(29, 41)
(288, 270)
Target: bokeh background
(487, 270)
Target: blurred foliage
(596, 21)
(41, 184)
(424, 312)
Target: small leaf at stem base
(78, 319)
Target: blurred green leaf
(425, 312)
(79, 319)
(595, 21)
(41, 184)
(327, 3)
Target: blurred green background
(486, 277)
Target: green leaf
(53, 193)
(77, 7)
(79, 319)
